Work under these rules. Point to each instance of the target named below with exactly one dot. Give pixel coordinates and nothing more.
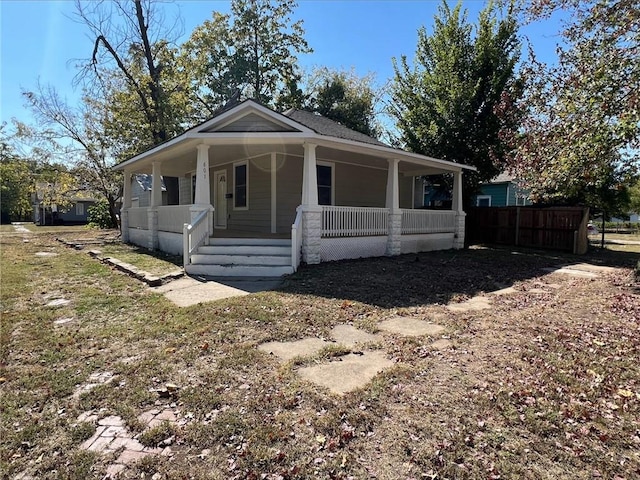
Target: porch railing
(354, 221)
(428, 221)
(138, 217)
(194, 235)
(296, 239)
(172, 218)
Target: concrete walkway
(188, 291)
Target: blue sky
(38, 40)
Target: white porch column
(311, 211)
(156, 185)
(156, 201)
(203, 188)
(394, 238)
(457, 192)
(274, 192)
(126, 205)
(458, 238)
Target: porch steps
(242, 257)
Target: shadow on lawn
(434, 277)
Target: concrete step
(236, 249)
(239, 270)
(258, 259)
(250, 241)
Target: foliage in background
(99, 215)
(251, 53)
(76, 135)
(16, 182)
(346, 98)
(458, 99)
(581, 131)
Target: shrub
(98, 215)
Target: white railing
(171, 218)
(428, 221)
(138, 217)
(354, 221)
(296, 239)
(194, 235)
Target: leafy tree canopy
(457, 100)
(581, 131)
(346, 98)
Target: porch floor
(228, 233)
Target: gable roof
(293, 126)
(328, 127)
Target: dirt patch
(411, 327)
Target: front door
(220, 205)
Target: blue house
(502, 191)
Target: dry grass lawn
(544, 385)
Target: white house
(260, 191)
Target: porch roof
(250, 129)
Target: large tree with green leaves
(581, 134)
(76, 136)
(457, 100)
(346, 98)
(251, 53)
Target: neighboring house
(141, 191)
(76, 214)
(261, 191)
(502, 191)
(427, 194)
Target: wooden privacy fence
(557, 228)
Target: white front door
(220, 205)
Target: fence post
(517, 226)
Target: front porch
(250, 198)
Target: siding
(360, 186)
(184, 185)
(257, 218)
(254, 123)
(289, 191)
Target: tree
(16, 181)
(457, 102)
(346, 98)
(581, 132)
(251, 53)
(77, 135)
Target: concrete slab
(188, 291)
(347, 373)
(571, 272)
(286, 351)
(410, 327)
(504, 291)
(471, 305)
(350, 336)
(442, 344)
(60, 302)
(46, 254)
(589, 267)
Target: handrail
(194, 234)
(296, 239)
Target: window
(80, 209)
(483, 201)
(240, 185)
(325, 184)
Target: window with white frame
(483, 201)
(325, 183)
(241, 185)
(80, 209)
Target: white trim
(331, 165)
(274, 193)
(237, 164)
(506, 202)
(483, 197)
(268, 118)
(216, 209)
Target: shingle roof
(325, 126)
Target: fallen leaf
(625, 393)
